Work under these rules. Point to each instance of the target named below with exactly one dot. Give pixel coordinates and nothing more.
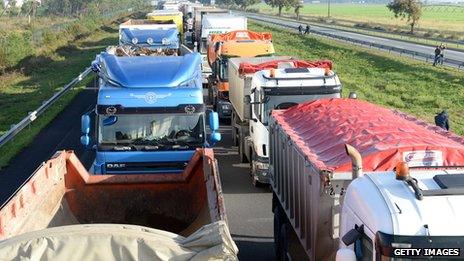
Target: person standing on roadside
(442, 53)
(300, 29)
(442, 120)
(437, 55)
(307, 29)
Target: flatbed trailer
(62, 200)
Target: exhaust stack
(356, 161)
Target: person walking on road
(307, 29)
(442, 120)
(437, 55)
(300, 29)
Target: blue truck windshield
(164, 131)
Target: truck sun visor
(384, 137)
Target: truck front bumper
(224, 109)
(260, 171)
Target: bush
(49, 38)
(14, 46)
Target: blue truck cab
(150, 115)
(151, 38)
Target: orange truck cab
(221, 47)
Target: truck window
(162, 130)
(256, 106)
(223, 69)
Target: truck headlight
(261, 165)
(135, 40)
(165, 41)
(150, 41)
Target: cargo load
(62, 213)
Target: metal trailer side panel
(239, 86)
(309, 204)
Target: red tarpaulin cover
(384, 137)
(246, 68)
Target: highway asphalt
(449, 54)
(248, 208)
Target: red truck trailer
(355, 181)
(64, 213)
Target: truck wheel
(284, 242)
(277, 226)
(234, 135)
(241, 153)
(210, 95)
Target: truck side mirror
(85, 124)
(214, 138)
(247, 107)
(85, 128)
(96, 67)
(213, 121)
(354, 234)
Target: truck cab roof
(302, 78)
(150, 72)
(149, 82)
(390, 206)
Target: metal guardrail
(17, 128)
(425, 56)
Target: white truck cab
(383, 217)
(281, 89)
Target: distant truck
(216, 24)
(168, 16)
(355, 181)
(221, 47)
(259, 85)
(198, 13)
(65, 213)
(150, 115)
(151, 36)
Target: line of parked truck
(350, 180)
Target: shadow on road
(248, 250)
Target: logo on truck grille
(115, 165)
(150, 97)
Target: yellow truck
(168, 16)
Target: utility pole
(328, 8)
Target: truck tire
(234, 135)
(285, 236)
(241, 152)
(277, 226)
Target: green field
(413, 87)
(432, 18)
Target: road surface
(248, 208)
(457, 56)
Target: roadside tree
(409, 9)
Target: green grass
(24, 90)
(438, 19)
(414, 87)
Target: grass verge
(23, 90)
(414, 87)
